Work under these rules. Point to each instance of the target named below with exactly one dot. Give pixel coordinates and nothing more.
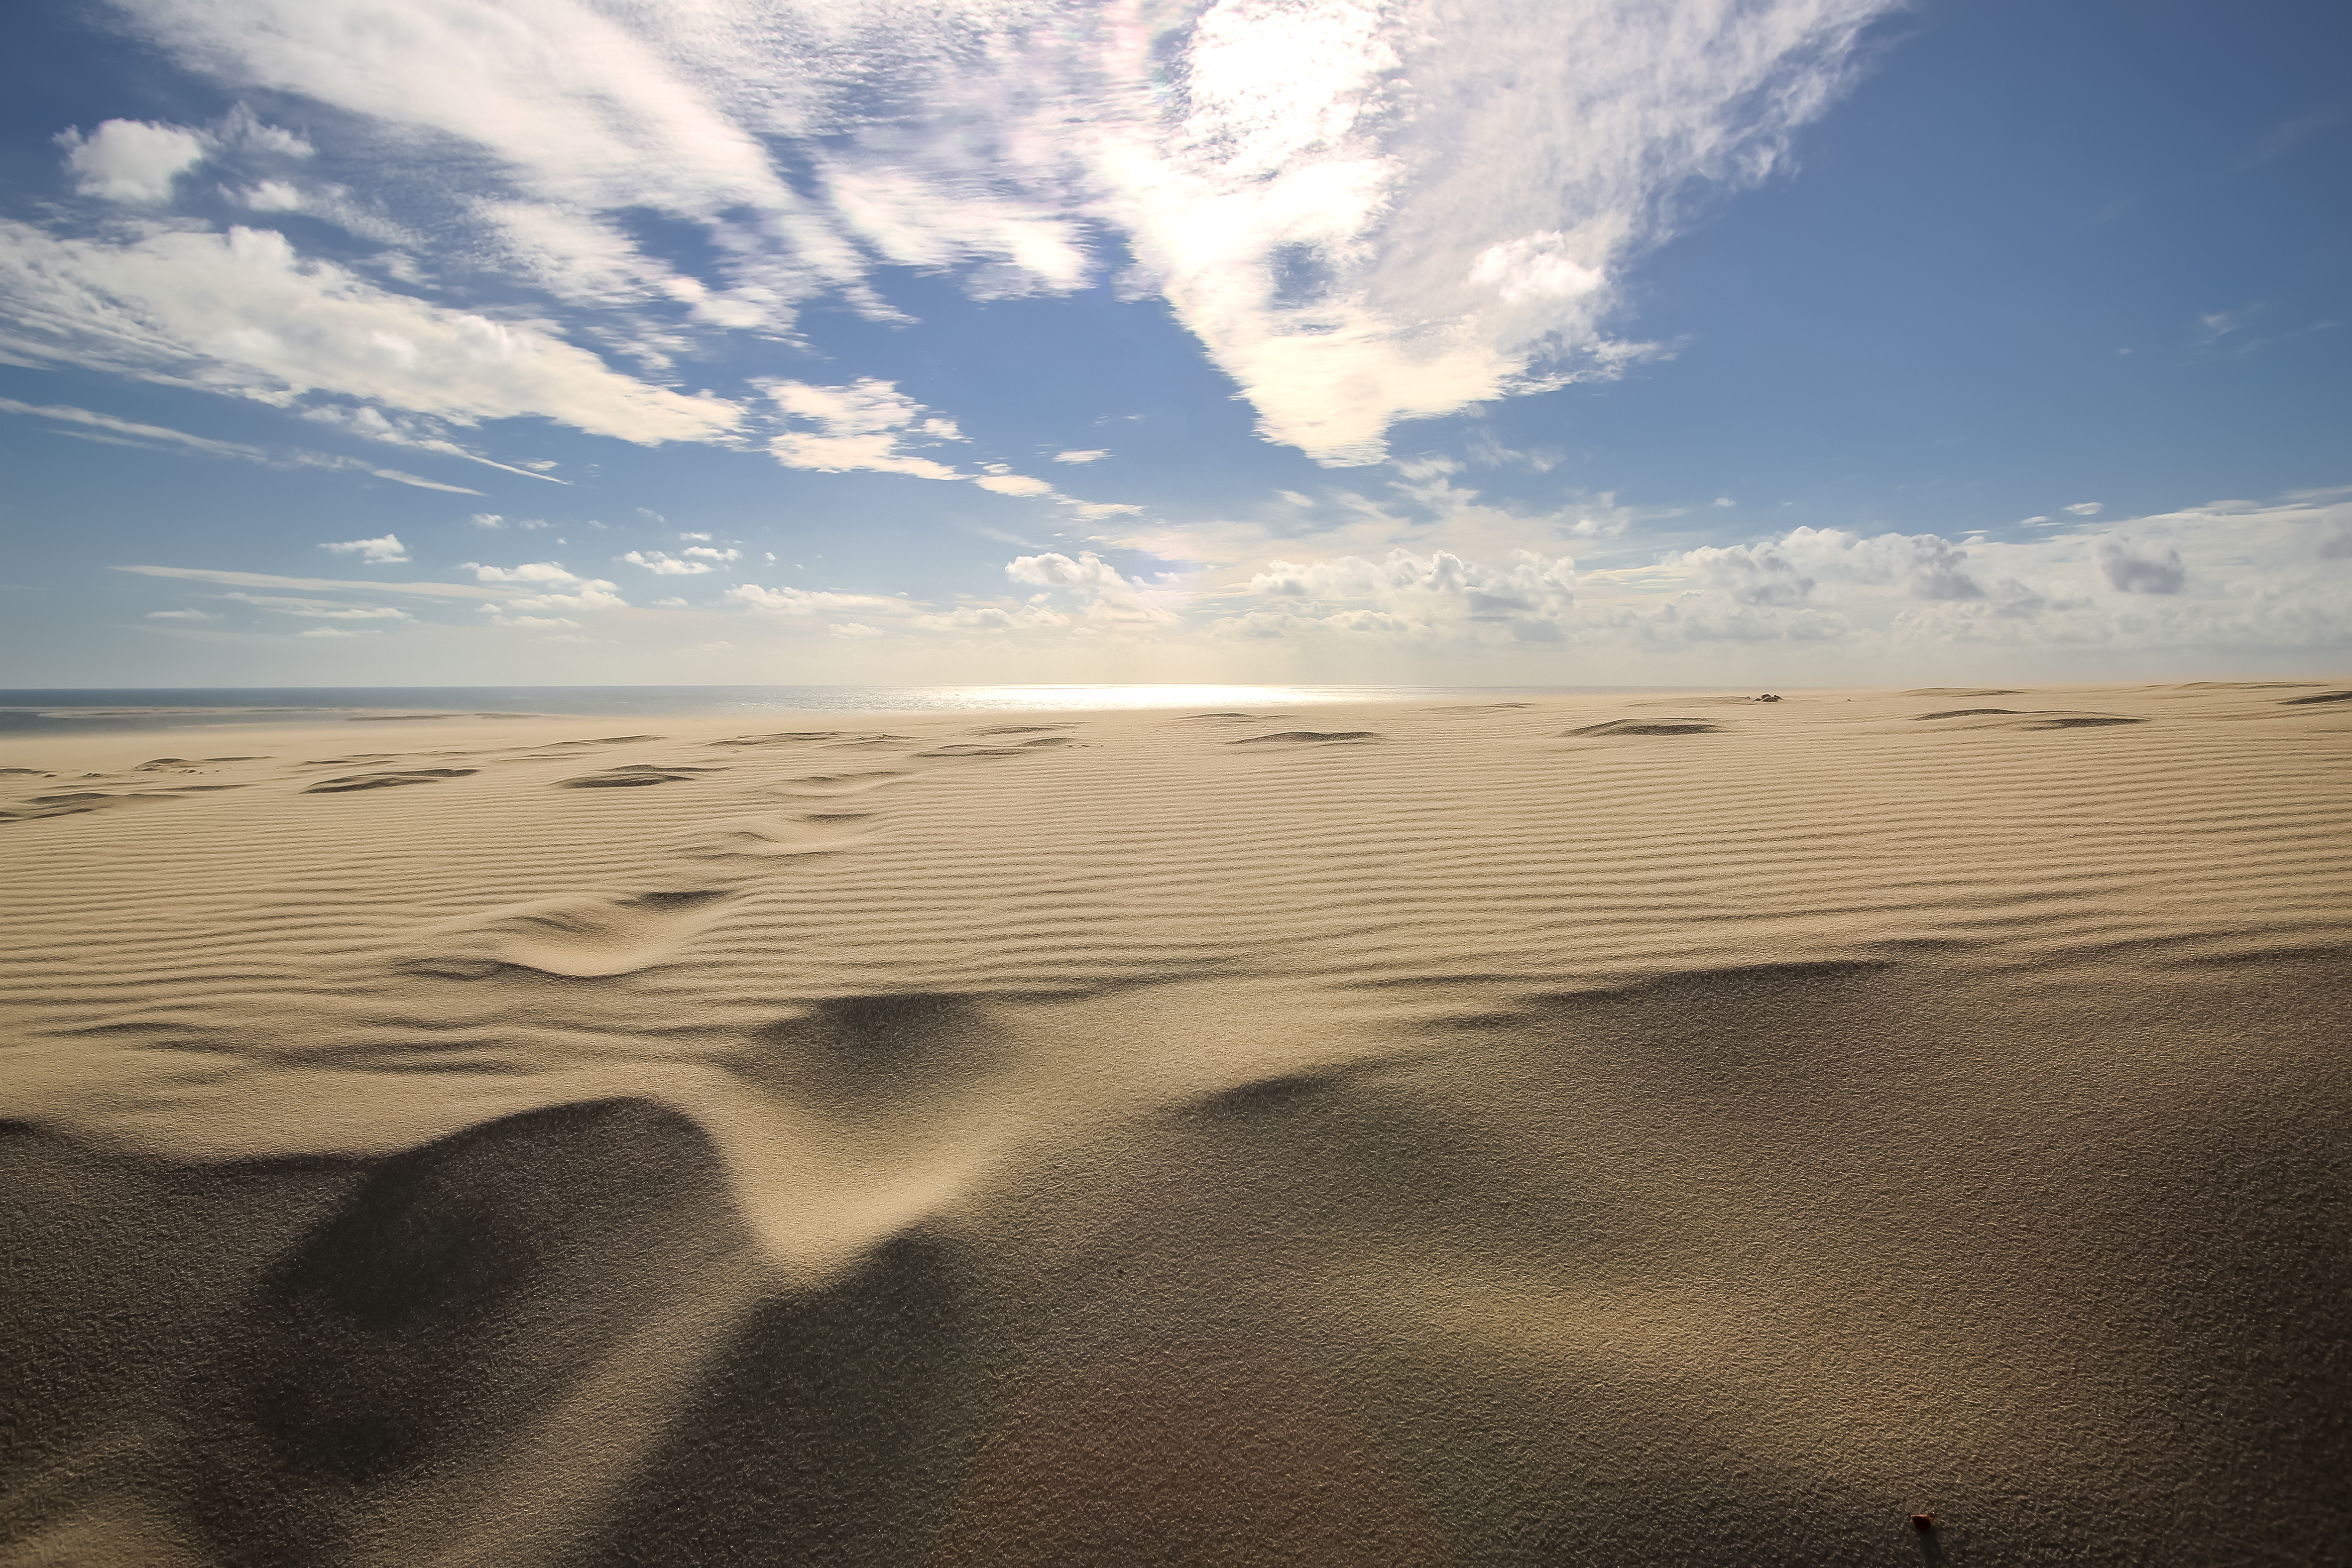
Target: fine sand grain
(1547, 1132)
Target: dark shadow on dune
(457, 1291)
(857, 1055)
(831, 1430)
(121, 1278)
(2316, 697)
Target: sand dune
(1561, 1131)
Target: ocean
(29, 713)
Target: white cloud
(331, 632)
(1366, 212)
(1104, 594)
(180, 615)
(241, 312)
(1094, 456)
(1014, 485)
(663, 565)
(352, 612)
(2086, 508)
(529, 571)
(854, 630)
(1440, 594)
(801, 601)
(1924, 566)
(704, 552)
(867, 424)
(107, 427)
(414, 430)
(68, 414)
(2129, 571)
(264, 580)
(385, 551)
(132, 159)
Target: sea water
(27, 713)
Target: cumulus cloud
(1365, 213)
(1096, 455)
(2336, 534)
(1103, 594)
(2132, 569)
(131, 159)
(1014, 485)
(663, 565)
(560, 587)
(1526, 598)
(2086, 508)
(385, 551)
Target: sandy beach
(1617, 1130)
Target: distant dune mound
(1307, 737)
(1649, 726)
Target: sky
(1795, 342)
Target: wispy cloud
(242, 312)
(1365, 213)
(106, 426)
(265, 580)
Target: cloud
(2086, 508)
(131, 159)
(242, 312)
(264, 580)
(1105, 596)
(1407, 595)
(2336, 534)
(68, 414)
(331, 632)
(854, 630)
(1014, 485)
(131, 433)
(1784, 571)
(704, 552)
(867, 424)
(423, 434)
(385, 551)
(2127, 570)
(1364, 213)
(180, 615)
(801, 601)
(663, 565)
(1096, 456)
(529, 571)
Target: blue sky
(1768, 342)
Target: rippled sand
(1632, 1130)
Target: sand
(1638, 1130)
